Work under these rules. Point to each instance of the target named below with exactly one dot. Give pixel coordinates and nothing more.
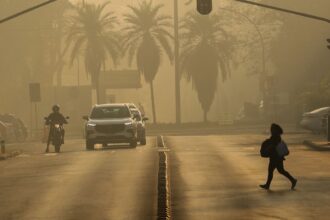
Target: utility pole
(176, 63)
(328, 117)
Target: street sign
(35, 92)
(204, 7)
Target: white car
(141, 129)
(131, 106)
(315, 120)
(110, 123)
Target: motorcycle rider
(55, 118)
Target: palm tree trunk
(97, 90)
(205, 116)
(153, 102)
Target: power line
(25, 11)
(286, 10)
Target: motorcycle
(55, 136)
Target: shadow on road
(280, 192)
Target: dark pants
(277, 164)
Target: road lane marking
(50, 154)
(164, 197)
(24, 155)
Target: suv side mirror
(85, 117)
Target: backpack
(265, 149)
(282, 149)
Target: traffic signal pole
(3, 20)
(328, 118)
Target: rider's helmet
(56, 108)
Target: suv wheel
(133, 143)
(89, 145)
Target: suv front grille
(110, 128)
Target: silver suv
(110, 123)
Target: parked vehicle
(315, 120)
(12, 128)
(7, 132)
(110, 123)
(141, 130)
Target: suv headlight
(129, 124)
(90, 125)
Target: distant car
(315, 120)
(110, 123)
(141, 130)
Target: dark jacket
(56, 118)
(271, 144)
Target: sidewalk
(207, 129)
(319, 143)
(9, 152)
(15, 149)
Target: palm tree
(146, 36)
(206, 52)
(91, 30)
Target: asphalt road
(217, 177)
(113, 183)
(211, 177)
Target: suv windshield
(110, 112)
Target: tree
(91, 30)
(146, 36)
(206, 52)
(28, 51)
(315, 94)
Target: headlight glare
(128, 123)
(91, 125)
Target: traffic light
(329, 43)
(204, 7)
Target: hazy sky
(316, 7)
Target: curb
(314, 146)
(10, 155)
(163, 207)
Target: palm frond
(165, 45)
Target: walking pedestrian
(268, 149)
